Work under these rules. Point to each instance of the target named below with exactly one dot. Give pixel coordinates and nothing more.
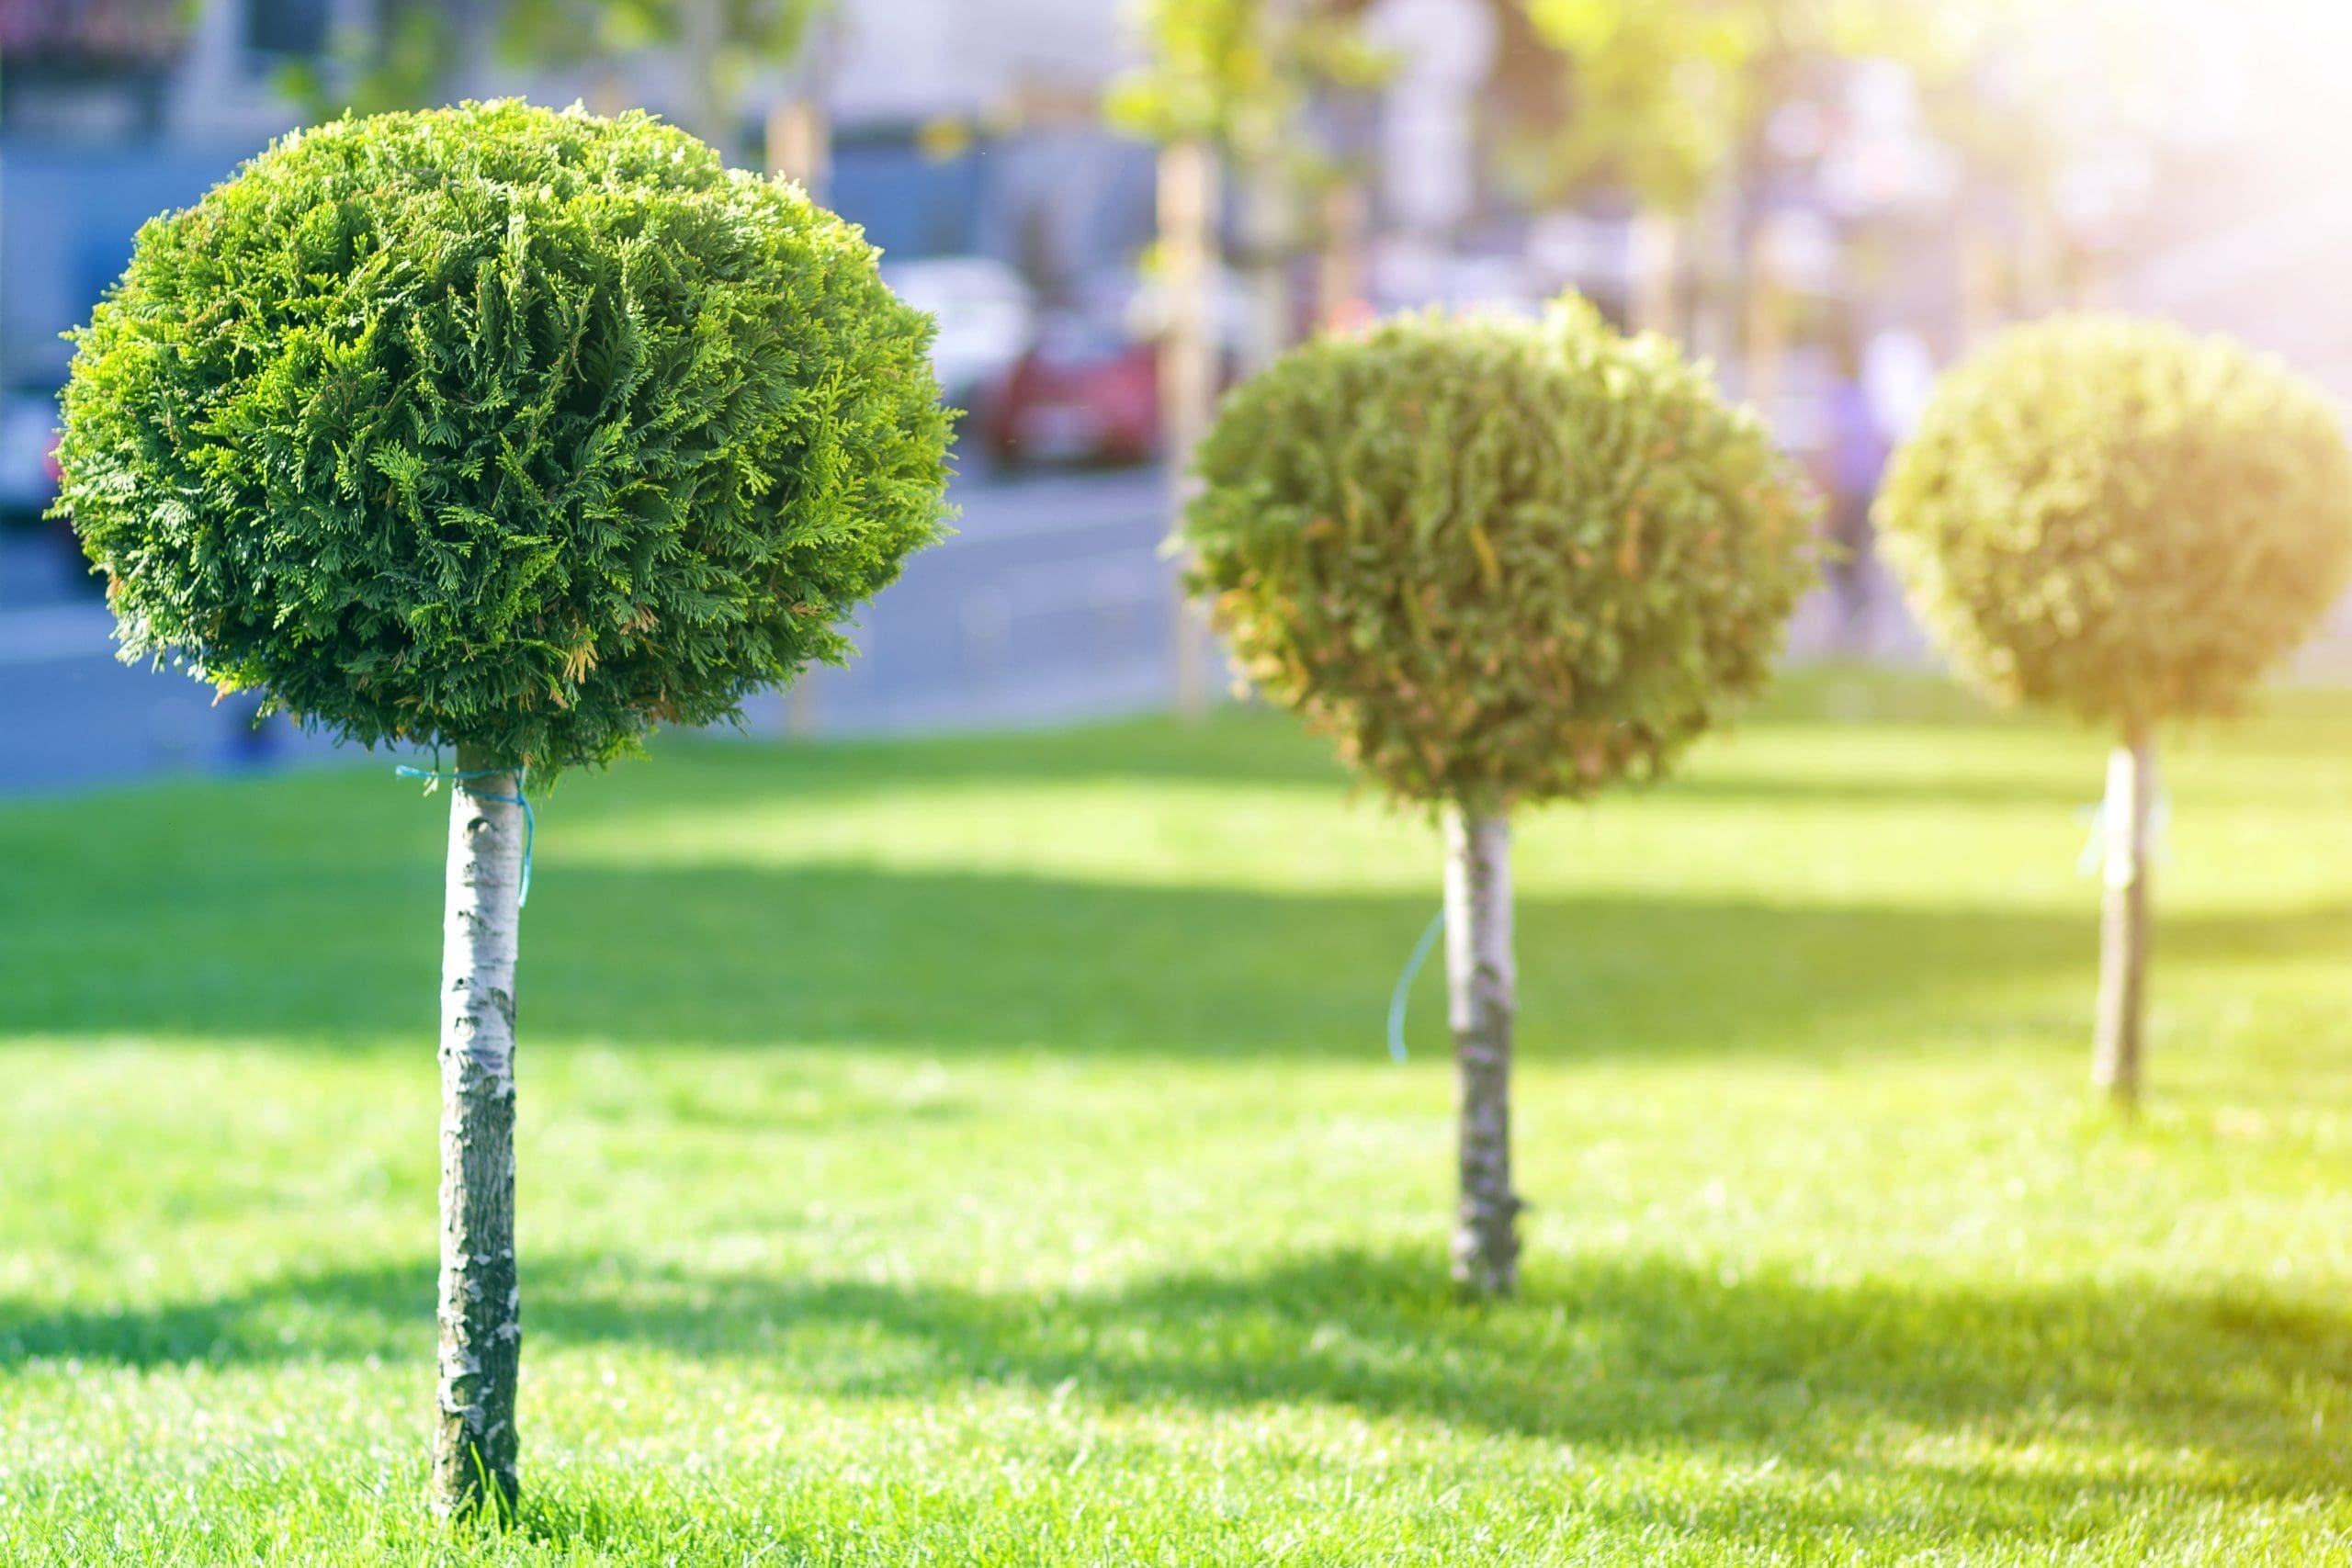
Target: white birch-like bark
(2123, 935)
(481, 1304)
(1481, 984)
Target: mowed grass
(985, 1151)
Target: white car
(987, 317)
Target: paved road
(1051, 602)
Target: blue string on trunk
(1405, 984)
(530, 821)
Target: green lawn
(985, 1151)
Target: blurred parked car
(1143, 308)
(988, 318)
(1085, 392)
(27, 454)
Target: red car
(1085, 392)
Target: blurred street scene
(1114, 206)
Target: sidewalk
(1051, 603)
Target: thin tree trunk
(800, 143)
(1653, 300)
(1715, 248)
(1188, 365)
(1340, 288)
(2041, 261)
(800, 135)
(1481, 981)
(708, 114)
(2123, 936)
(1266, 223)
(1981, 286)
(480, 1311)
(1765, 335)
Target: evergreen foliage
(501, 427)
(2121, 520)
(1501, 561)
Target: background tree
(2130, 523)
(510, 433)
(403, 60)
(1661, 96)
(1229, 83)
(1237, 82)
(2061, 112)
(1501, 563)
(722, 46)
(1668, 101)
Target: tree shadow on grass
(1251, 751)
(1610, 1353)
(1257, 749)
(947, 961)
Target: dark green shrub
(1503, 562)
(515, 433)
(500, 426)
(2130, 523)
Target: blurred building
(968, 134)
(1855, 249)
(957, 130)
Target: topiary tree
(1502, 562)
(509, 433)
(2130, 523)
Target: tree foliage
(724, 43)
(1659, 95)
(764, 31)
(399, 63)
(1665, 95)
(1500, 560)
(2120, 519)
(499, 426)
(1241, 75)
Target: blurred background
(1117, 206)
